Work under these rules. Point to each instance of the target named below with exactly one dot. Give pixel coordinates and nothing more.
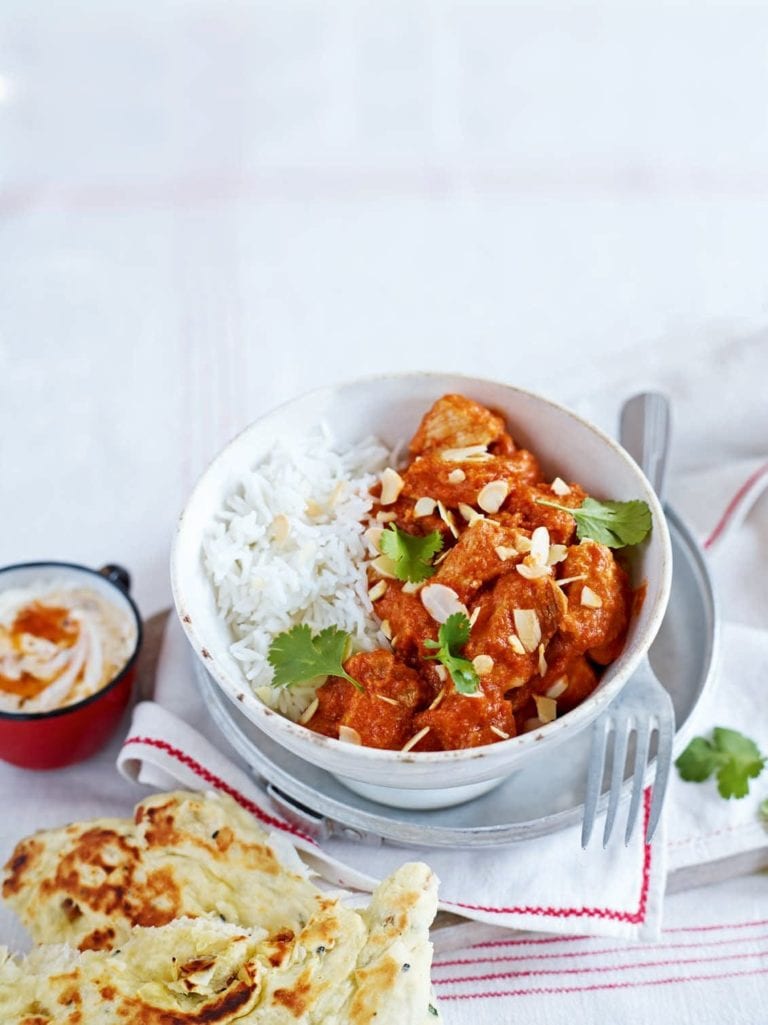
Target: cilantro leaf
(296, 656)
(614, 524)
(412, 556)
(764, 810)
(732, 757)
(451, 637)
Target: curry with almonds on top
(545, 612)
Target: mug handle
(117, 575)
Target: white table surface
(207, 208)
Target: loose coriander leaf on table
(297, 656)
(451, 638)
(411, 555)
(615, 524)
(698, 761)
(734, 758)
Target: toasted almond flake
(539, 546)
(386, 629)
(337, 493)
(447, 517)
(528, 628)
(546, 708)
(412, 586)
(482, 664)
(385, 567)
(522, 543)
(559, 487)
(470, 453)
(378, 590)
(424, 507)
(498, 732)
(415, 739)
(491, 497)
(309, 711)
(470, 515)
(438, 697)
(441, 602)
(349, 735)
(372, 538)
(542, 661)
(313, 508)
(442, 557)
(531, 724)
(442, 673)
(590, 598)
(505, 553)
(393, 642)
(388, 701)
(391, 486)
(534, 572)
(280, 528)
(385, 517)
(558, 688)
(516, 644)
(475, 614)
(570, 580)
(557, 553)
(457, 476)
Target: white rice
(288, 548)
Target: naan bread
(183, 854)
(342, 966)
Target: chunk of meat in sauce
(521, 510)
(578, 675)
(409, 622)
(430, 476)
(495, 623)
(380, 723)
(598, 632)
(474, 560)
(461, 721)
(455, 421)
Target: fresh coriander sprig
(734, 758)
(296, 656)
(615, 524)
(451, 638)
(411, 556)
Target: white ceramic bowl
(391, 408)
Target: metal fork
(643, 706)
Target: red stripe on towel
(730, 509)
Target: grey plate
(543, 797)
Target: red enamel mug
(71, 733)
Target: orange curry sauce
(49, 623)
(544, 623)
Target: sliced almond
(528, 628)
(442, 673)
(534, 572)
(571, 580)
(349, 735)
(499, 732)
(309, 711)
(522, 543)
(385, 567)
(470, 453)
(470, 515)
(531, 724)
(558, 688)
(280, 528)
(412, 586)
(559, 487)
(482, 664)
(457, 476)
(385, 517)
(475, 614)
(546, 708)
(516, 644)
(415, 739)
(590, 598)
(424, 507)
(441, 601)
(386, 629)
(539, 552)
(378, 590)
(391, 486)
(438, 697)
(373, 539)
(542, 662)
(557, 553)
(387, 700)
(491, 497)
(313, 508)
(442, 557)
(505, 553)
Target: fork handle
(644, 431)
